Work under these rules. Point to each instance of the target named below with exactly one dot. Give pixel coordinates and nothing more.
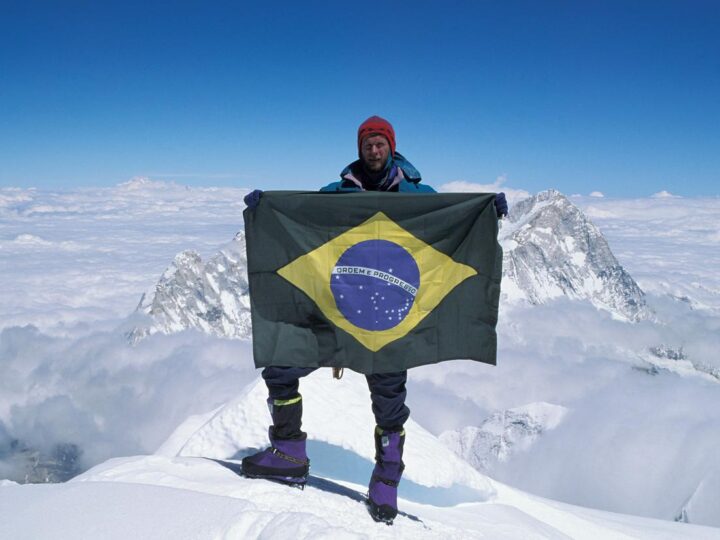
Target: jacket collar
(350, 177)
(405, 171)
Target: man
(379, 168)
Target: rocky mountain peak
(551, 249)
(212, 297)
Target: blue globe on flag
(375, 283)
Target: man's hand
(501, 205)
(252, 199)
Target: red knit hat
(377, 126)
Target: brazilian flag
(375, 282)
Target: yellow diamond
(439, 274)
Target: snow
(699, 508)
(242, 425)
(639, 435)
(181, 497)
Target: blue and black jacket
(402, 177)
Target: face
(375, 151)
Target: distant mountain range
(551, 249)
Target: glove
(252, 199)
(501, 205)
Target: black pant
(387, 392)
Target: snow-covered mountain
(212, 297)
(503, 434)
(550, 250)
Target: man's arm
(501, 205)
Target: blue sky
(620, 97)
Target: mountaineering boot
(382, 492)
(285, 460)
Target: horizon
(593, 97)
(514, 193)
